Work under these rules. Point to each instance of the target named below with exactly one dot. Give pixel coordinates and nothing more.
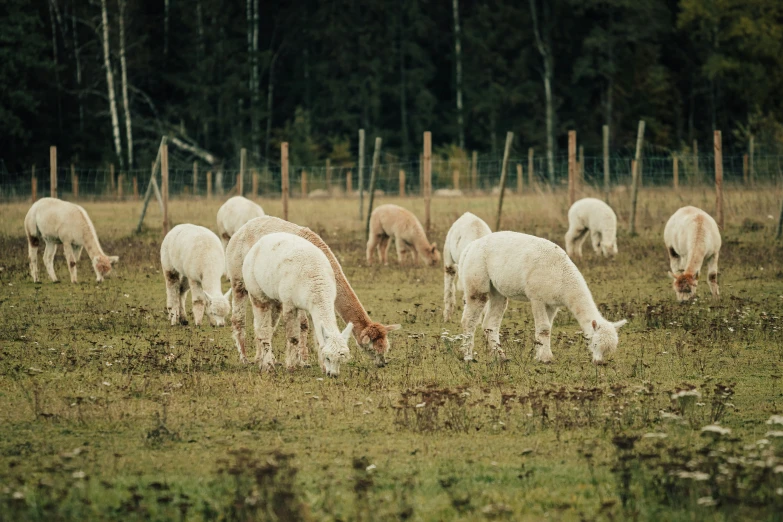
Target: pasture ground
(107, 412)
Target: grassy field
(107, 412)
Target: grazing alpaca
(692, 237)
(465, 230)
(59, 222)
(389, 221)
(593, 216)
(284, 273)
(372, 336)
(192, 258)
(233, 214)
(510, 265)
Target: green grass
(169, 424)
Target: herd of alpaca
(289, 272)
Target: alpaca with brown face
(692, 238)
(392, 221)
(58, 222)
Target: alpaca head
(334, 351)
(609, 248)
(218, 308)
(433, 256)
(603, 338)
(378, 335)
(684, 285)
(102, 265)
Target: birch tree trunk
(544, 47)
(124, 69)
(115, 123)
(458, 60)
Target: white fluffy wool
(233, 214)
(464, 231)
(594, 217)
(692, 237)
(392, 221)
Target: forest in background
(104, 79)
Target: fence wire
(392, 178)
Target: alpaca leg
(674, 261)
(48, 257)
(182, 289)
(32, 253)
(449, 291)
(573, 235)
(264, 329)
(238, 302)
(580, 242)
(70, 260)
(371, 244)
(383, 249)
(304, 328)
(595, 239)
(401, 250)
(541, 314)
(199, 302)
(172, 296)
(292, 335)
(474, 305)
(493, 316)
(712, 276)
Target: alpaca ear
(347, 332)
(392, 327)
(209, 299)
(365, 339)
(619, 324)
(672, 275)
(595, 325)
(227, 294)
(323, 333)
(114, 259)
(434, 247)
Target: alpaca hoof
(600, 362)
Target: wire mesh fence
(392, 178)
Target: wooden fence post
(164, 185)
(242, 167)
(474, 171)
(195, 178)
(209, 184)
(303, 182)
(135, 187)
(254, 183)
(503, 176)
(635, 175)
(696, 173)
(607, 172)
(427, 178)
(349, 183)
(751, 171)
(376, 158)
(53, 171)
(402, 183)
(676, 167)
(519, 178)
(718, 151)
(219, 181)
(74, 182)
(328, 176)
(34, 185)
(530, 169)
(120, 181)
(361, 174)
(571, 167)
(284, 177)
(745, 169)
(455, 179)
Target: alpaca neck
(90, 238)
(580, 303)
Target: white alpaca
(510, 265)
(372, 336)
(692, 237)
(59, 222)
(389, 221)
(593, 216)
(284, 273)
(464, 231)
(192, 258)
(233, 214)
